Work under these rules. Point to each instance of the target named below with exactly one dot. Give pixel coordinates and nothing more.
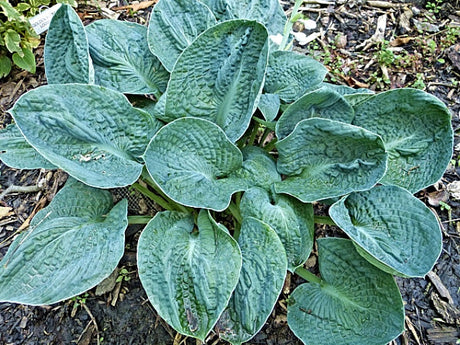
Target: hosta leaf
(290, 75)
(122, 59)
(393, 226)
(323, 102)
(70, 247)
(26, 61)
(173, 25)
(269, 105)
(12, 41)
(325, 159)
(416, 128)
(188, 274)
(261, 280)
(91, 132)
(259, 168)
(17, 153)
(291, 220)
(66, 49)
(356, 303)
(346, 90)
(5, 66)
(191, 159)
(219, 76)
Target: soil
(404, 54)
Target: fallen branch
(383, 4)
(20, 189)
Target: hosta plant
(237, 140)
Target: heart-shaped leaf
(91, 132)
(174, 25)
(355, 303)
(219, 76)
(122, 59)
(17, 153)
(188, 274)
(71, 246)
(323, 102)
(66, 49)
(192, 161)
(261, 280)
(393, 226)
(292, 221)
(269, 105)
(290, 75)
(26, 61)
(417, 131)
(325, 159)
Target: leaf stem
(271, 145)
(289, 24)
(254, 132)
(132, 220)
(151, 195)
(307, 275)
(325, 220)
(267, 131)
(235, 211)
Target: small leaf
(219, 76)
(17, 152)
(269, 105)
(66, 49)
(26, 62)
(100, 146)
(261, 280)
(290, 75)
(325, 159)
(5, 66)
(292, 221)
(188, 274)
(416, 129)
(71, 246)
(192, 160)
(122, 59)
(322, 102)
(174, 25)
(356, 303)
(393, 226)
(12, 41)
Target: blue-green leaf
(122, 59)
(355, 303)
(325, 159)
(269, 105)
(392, 226)
(219, 76)
(188, 273)
(70, 247)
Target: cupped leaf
(292, 221)
(17, 153)
(122, 59)
(91, 132)
(323, 103)
(355, 303)
(66, 52)
(174, 25)
(219, 76)
(325, 159)
(70, 247)
(192, 160)
(259, 168)
(417, 131)
(347, 90)
(269, 106)
(393, 226)
(290, 75)
(188, 274)
(261, 280)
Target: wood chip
(5, 212)
(412, 329)
(136, 7)
(438, 284)
(383, 4)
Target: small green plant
(241, 133)
(123, 275)
(385, 56)
(434, 6)
(419, 82)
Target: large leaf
(91, 132)
(269, 105)
(291, 220)
(261, 280)
(355, 303)
(122, 59)
(188, 273)
(393, 226)
(325, 159)
(66, 49)
(192, 161)
(174, 25)
(70, 247)
(323, 102)
(219, 76)
(416, 128)
(290, 75)
(17, 153)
